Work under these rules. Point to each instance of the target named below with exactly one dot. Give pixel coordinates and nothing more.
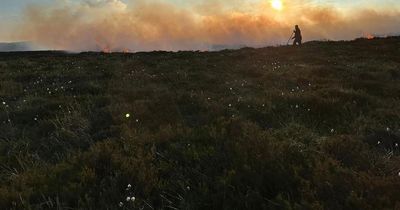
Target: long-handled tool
(291, 36)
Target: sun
(277, 4)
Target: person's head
(296, 27)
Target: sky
(143, 25)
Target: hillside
(316, 127)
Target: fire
(106, 50)
(369, 36)
(103, 45)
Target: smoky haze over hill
(106, 25)
(17, 46)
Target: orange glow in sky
(277, 4)
(145, 25)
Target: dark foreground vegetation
(315, 127)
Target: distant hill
(219, 47)
(16, 46)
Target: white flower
(4, 103)
(332, 130)
(396, 145)
(128, 199)
(129, 185)
(399, 173)
(121, 204)
(379, 142)
(387, 129)
(133, 199)
(230, 105)
(127, 115)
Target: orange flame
(102, 45)
(369, 36)
(106, 50)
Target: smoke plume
(142, 25)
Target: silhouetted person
(297, 36)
